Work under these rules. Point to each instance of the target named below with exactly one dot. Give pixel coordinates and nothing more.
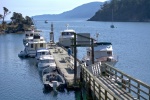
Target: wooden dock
(65, 63)
(101, 81)
(106, 82)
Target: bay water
(20, 79)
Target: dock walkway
(65, 63)
(113, 84)
(104, 81)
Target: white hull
(43, 66)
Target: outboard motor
(55, 86)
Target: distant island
(124, 11)
(18, 23)
(82, 12)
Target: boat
(112, 26)
(103, 52)
(46, 21)
(36, 43)
(40, 52)
(46, 61)
(53, 80)
(29, 36)
(22, 54)
(66, 37)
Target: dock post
(92, 46)
(75, 62)
(52, 34)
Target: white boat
(29, 36)
(36, 43)
(52, 80)
(46, 61)
(103, 52)
(40, 52)
(66, 37)
(46, 21)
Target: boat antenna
(34, 23)
(67, 25)
(97, 36)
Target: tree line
(18, 23)
(123, 10)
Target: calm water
(20, 79)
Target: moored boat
(103, 52)
(36, 43)
(46, 21)
(46, 61)
(53, 80)
(40, 52)
(66, 37)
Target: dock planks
(65, 63)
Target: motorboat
(66, 37)
(36, 43)
(40, 52)
(53, 80)
(103, 52)
(22, 54)
(46, 61)
(46, 21)
(29, 36)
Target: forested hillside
(124, 10)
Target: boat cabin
(41, 52)
(102, 52)
(66, 37)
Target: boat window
(43, 53)
(31, 45)
(47, 61)
(109, 52)
(67, 33)
(64, 33)
(31, 34)
(41, 44)
(27, 34)
(47, 53)
(36, 36)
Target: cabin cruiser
(40, 52)
(29, 35)
(36, 43)
(52, 80)
(103, 52)
(66, 38)
(46, 61)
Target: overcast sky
(39, 7)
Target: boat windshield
(67, 33)
(47, 61)
(42, 53)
